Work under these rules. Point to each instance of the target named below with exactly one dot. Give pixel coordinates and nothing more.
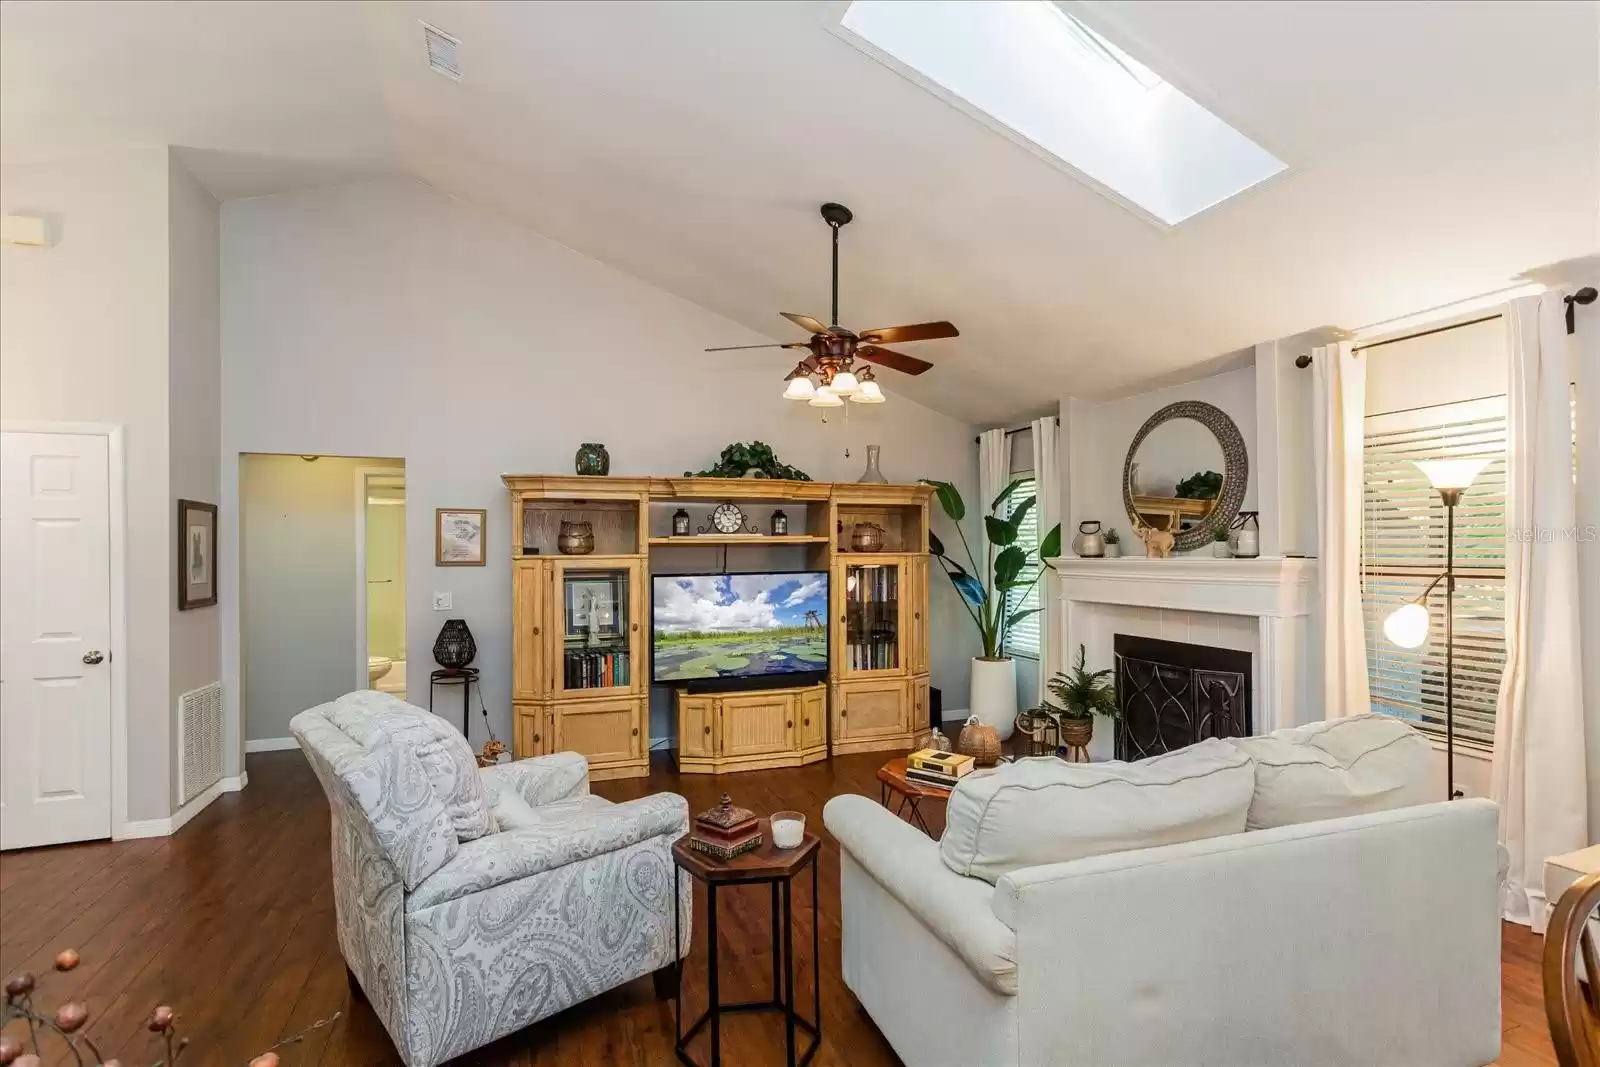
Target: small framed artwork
(458, 537)
(197, 555)
(593, 605)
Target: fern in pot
(1083, 694)
(985, 590)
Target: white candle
(788, 829)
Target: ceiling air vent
(443, 51)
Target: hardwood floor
(231, 922)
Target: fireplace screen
(1174, 694)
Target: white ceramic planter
(1113, 549)
(994, 694)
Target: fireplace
(1174, 694)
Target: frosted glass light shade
(827, 398)
(844, 383)
(800, 389)
(1451, 473)
(1407, 626)
(868, 393)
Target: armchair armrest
(592, 829)
(539, 780)
(906, 862)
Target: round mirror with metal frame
(1187, 506)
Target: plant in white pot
(994, 676)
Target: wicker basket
(980, 742)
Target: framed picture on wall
(197, 554)
(458, 537)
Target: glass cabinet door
(872, 629)
(597, 642)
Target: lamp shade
(1451, 473)
(868, 393)
(454, 648)
(1407, 626)
(827, 398)
(800, 389)
(844, 383)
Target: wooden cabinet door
(529, 739)
(813, 707)
(919, 704)
(530, 579)
(607, 657)
(755, 724)
(695, 716)
(606, 731)
(916, 609)
(871, 709)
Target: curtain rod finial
(1586, 295)
(1303, 360)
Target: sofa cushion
(371, 718)
(1326, 770)
(1047, 811)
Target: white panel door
(55, 634)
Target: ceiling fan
(834, 349)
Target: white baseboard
(270, 744)
(172, 824)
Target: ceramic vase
(1090, 542)
(872, 473)
(993, 697)
(575, 539)
(593, 459)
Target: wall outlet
(442, 601)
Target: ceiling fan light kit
(830, 374)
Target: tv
(727, 628)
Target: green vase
(593, 459)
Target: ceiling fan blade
(893, 360)
(922, 331)
(805, 322)
(740, 348)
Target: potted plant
(1083, 695)
(1219, 546)
(993, 697)
(1113, 543)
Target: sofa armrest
(906, 862)
(539, 780)
(514, 854)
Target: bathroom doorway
(381, 578)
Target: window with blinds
(1023, 639)
(1403, 549)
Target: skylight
(1041, 76)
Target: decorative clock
(727, 518)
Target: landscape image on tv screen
(739, 625)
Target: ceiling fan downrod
(836, 215)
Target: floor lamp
(1408, 625)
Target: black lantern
(454, 648)
(780, 524)
(680, 523)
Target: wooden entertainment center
(581, 650)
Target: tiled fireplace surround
(1261, 606)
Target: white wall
(387, 319)
(83, 338)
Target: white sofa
(1359, 941)
(459, 931)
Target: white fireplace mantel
(1185, 594)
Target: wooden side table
(777, 867)
(892, 780)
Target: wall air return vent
(443, 51)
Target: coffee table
(892, 780)
(776, 867)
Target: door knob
(93, 656)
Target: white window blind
(1403, 549)
(1023, 639)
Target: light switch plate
(442, 601)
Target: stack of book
(725, 831)
(929, 766)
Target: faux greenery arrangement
(1112, 537)
(738, 460)
(1220, 535)
(1202, 485)
(986, 603)
(1083, 693)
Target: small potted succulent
(1219, 545)
(1113, 543)
(1083, 695)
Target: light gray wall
(387, 319)
(83, 338)
(195, 418)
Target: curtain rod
(1303, 361)
(1020, 429)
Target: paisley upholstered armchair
(471, 903)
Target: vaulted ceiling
(1435, 151)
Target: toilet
(377, 667)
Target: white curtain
(1539, 777)
(1047, 485)
(1340, 386)
(994, 474)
